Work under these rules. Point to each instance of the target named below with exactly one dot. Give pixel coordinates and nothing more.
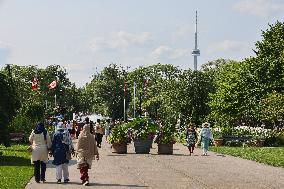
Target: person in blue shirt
(61, 146)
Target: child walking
(191, 137)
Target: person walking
(86, 150)
(40, 143)
(99, 133)
(61, 147)
(204, 137)
(191, 138)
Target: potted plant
(218, 136)
(165, 140)
(119, 139)
(143, 131)
(259, 135)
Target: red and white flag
(34, 84)
(52, 85)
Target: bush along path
(170, 171)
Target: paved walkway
(169, 171)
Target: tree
(7, 108)
(108, 89)
(242, 88)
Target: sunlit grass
(15, 167)
(269, 155)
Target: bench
(237, 138)
(17, 137)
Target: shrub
(119, 134)
(166, 135)
(142, 129)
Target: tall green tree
(7, 108)
(108, 88)
(241, 88)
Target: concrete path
(169, 171)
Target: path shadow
(221, 155)
(100, 184)
(170, 154)
(116, 155)
(14, 161)
(117, 185)
(71, 162)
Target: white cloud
(119, 40)
(227, 46)
(170, 53)
(259, 7)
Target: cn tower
(195, 52)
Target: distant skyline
(84, 35)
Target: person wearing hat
(205, 136)
(61, 145)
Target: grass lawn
(15, 167)
(269, 155)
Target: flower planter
(119, 148)
(142, 146)
(218, 142)
(259, 143)
(165, 148)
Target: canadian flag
(34, 84)
(52, 85)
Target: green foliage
(108, 91)
(22, 124)
(7, 107)
(267, 155)
(166, 135)
(119, 134)
(244, 89)
(272, 107)
(15, 159)
(142, 129)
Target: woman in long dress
(40, 141)
(191, 137)
(86, 150)
(205, 136)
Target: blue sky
(86, 35)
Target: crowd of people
(61, 147)
(89, 135)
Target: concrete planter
(259, 143)
(119, 148)
(218, 142)
(165, 148)
(142, 146)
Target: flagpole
(124, 108)
(124, 89)
(134, 95)
(55, 100)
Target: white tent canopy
(93, 117)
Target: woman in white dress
(40, 142)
